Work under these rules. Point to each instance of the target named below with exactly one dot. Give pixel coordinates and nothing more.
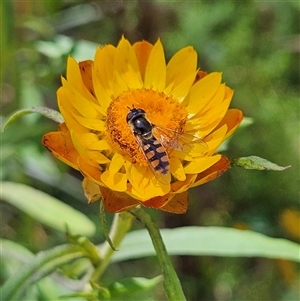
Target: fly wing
(157, 158)
(179, 141)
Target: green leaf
(39, 267)
(13, 258)
(254, 162)
(209, 241)
(46, 209)
(132, 285)
(246, 122)
(84, 50)
(56, 48)
(49, 113)
(15, 251)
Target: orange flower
(179, 103)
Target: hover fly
(154, 140)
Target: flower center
(161, 110)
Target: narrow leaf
(209, 241)
(39, 267)
(254, 162)
(49, 113)
(105, 226)
(46, 209)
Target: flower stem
(121, 224)
(171, 282)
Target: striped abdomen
(156, 155)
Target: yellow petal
(82, 150)
(103, 95)
(200, 164)
(155, 76)
(93, 124)
(85, 107)
(144, 183)
(119, 85)
(137, 176)
(176, 169)
(132, 79)
(181, 90)
(92, 142)
(210, 120)
(202, 90)
(98, 157)
(104, 66)
(116, 163)
(125, 58)
(211, 104)
(182, 65)
(65, 110)
(114, 180)
(214, 140)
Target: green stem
(41, 265)
(121, 225)
(171, 282)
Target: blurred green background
(255, 44)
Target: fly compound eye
(134, 113)
(140, 111)
(129, 116)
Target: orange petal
(61, 146)
(74, 77)
(158, 201)
(181, 186)
(178, 204)
(232, 119)
(115, 201)
(213, 172)
(90, 171)
(85, 68)
(200, 75)
(142, 51)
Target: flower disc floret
(160, 108)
